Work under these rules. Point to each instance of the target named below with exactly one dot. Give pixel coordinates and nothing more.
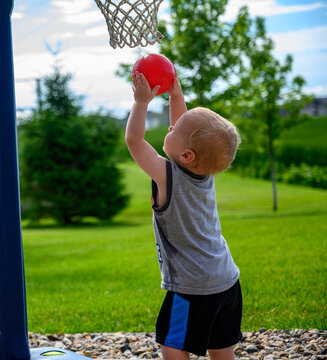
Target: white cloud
(17, 15)
(77, 11)
(311, 66)
(309, 39)
(267, 8)
(18, 12)
(55, 38)
(86, 17)
(25, 94)
(320, 90)
(32, 65)
(95, 31)
(72, 6)
(28, 68)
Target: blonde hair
(214, 140)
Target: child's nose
(170, 128)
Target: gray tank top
(194, 257)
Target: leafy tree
(265, 100)
(205, 50)
(67, 159)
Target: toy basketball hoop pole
(13, 318)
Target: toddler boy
(202, 309)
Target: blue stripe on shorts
(178, 322)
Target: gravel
(256, 345)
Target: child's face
(175, 143)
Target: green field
(105, 277)
(305, 143)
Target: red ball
(158, 70)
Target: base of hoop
(49, 353)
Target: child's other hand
(176, 89)
(142, 90)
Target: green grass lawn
(105, 277)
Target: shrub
(304, 174)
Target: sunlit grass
(105, 277)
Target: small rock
(66, 341)
(124, 348)
(283, 353)
(269, 357)
(238, 349)
(58, 344)
(278, 344)
(311, 347)
(139, 351)
(307, 353)
(87, 353)
(250, 349)
(43, 343)
(296, 348)
(52, 337)
(294, 356)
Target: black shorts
(195, 323)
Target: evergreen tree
(67, 159)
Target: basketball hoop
(131, 23)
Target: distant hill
(305, 143)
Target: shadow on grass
(51, 224)
(274, 215)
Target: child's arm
(142, 152)
(177, 106)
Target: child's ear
(187, 156)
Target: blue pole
(13, 318)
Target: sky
(298, 27)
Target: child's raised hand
(142, 90)
(175, 89)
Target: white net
(131, 23)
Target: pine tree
(67, 159)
